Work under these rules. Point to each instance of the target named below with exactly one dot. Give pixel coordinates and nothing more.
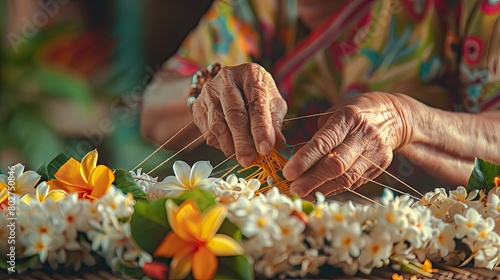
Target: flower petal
(171, 245)
(187, 220)
(41, 191)
(204, 264)
(222, 245)
(4, 193)
(27, 182)
(18, 170)
(200, 170)
(100, 180)
(89, 163)
(181, 264)
(211, 221)
(179, 216)
(182, 171)
(69, 174)
(55, 195)
(170, 183)
(27, 198)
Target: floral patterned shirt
(443, 53)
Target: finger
(200, 120)
(259, 90)
(322, 143)
(219, 128)
(328, 167)
(236, 117)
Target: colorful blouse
(443, 53)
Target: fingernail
(246, 161)
(264, 148)
(290, 173)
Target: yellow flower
(43, 193)
(87, 178)
(193, 243)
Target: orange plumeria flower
(193, 243)
(88, 179)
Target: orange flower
(193, 243)
(85, 178)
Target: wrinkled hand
(372, 125)
(241, 111)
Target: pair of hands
(241, 111)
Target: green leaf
(43, 171)
(236, 267)
(230, 229)
(149, 224)
(125, 182)
(307, 207)
(483, 175)
(132, 272)
(202, 198)
(55, 164)
(21, 264)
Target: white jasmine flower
(232, 188)
(467, 222)
(39, 245)
(376, 251)
(261, 224)
(280, 201)
(187, 178)
(419, 230)
(148, 184)
(460, 194)
(347, 243)
(291, 230)
(117, 202)
(444, 242)
(493, 206)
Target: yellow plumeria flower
(43, 193)
(87, 178)
(24, 182)
(193, 243)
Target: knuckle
(212, 140)
(323, 143)
(218, 127)
(351, 111)
(236, 116)
(336, 164)
(278, 106)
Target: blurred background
(72, 73)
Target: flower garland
(194, 224)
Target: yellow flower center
(339, 217)
(261, 222)
(347, 241)
(390, 218)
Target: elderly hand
(241, 111)
(372, 125)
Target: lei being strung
(69, 213)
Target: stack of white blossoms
(70, 230)
(281, 240)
